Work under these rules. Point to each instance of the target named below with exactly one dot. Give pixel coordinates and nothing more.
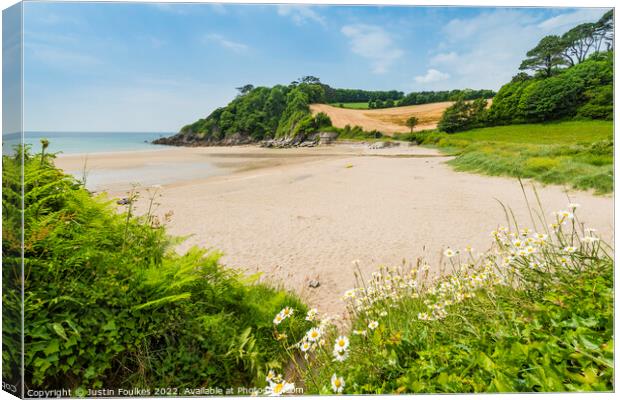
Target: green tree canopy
(546, 56)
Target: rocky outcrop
(192, 140)
(383, 145)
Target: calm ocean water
(86, 142)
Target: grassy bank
(109, 303)
(578, 154)
(534, 314)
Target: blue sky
(156, 67)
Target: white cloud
(373, 43)
(300, 14)
(568, 20)
(443, 58)
(237, 47)
(485, 51)
(432, 75)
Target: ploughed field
(386, 120)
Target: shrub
(107, 299)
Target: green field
(578, 154)
(354, 106)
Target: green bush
(582, 91)
(108, 300)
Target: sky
(156, 67)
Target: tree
(411, 122)
(463, 115)
(322, 120)
(245, 89)
(545, 57)
(578, 42)
(604, 31)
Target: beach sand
(302, 214)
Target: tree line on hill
(283, 111)
(571, 76)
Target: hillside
(387, 120)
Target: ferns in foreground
(109, 303)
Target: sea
(85, 142)
(98, 178)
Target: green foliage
(582, 91)
(360, 96)
(258, 113)
(445, 95)
(533, 314)
(463, 115)
(108, 300)
(545, 57)
(576, 153)
(356, 133)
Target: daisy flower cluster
(277, 386)
(282, 315)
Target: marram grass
(577, 154)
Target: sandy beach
(305, 214)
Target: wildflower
(425, 268)
(590, 239)
(517, 243)
(281, 336)
(340, 355)
(449, 253)
(277, 389)
(337, 384)
(469, 249)
(383, 313)
(562, 215)
(279, 318)
(312, 314)
(286, 312)
(373, 325)
(342, 343)
(423, 316)
(270, 376)
(541, 237)
(349, 294)
(570, 249)
(564, 261)
(304, 346)
(313, 334)
(530, 250)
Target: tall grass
(578, 154)
(532, 314)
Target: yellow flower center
(337, 383)
(278, 388)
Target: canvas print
(207, 199)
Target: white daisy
(313, 334)
(373, 325)
(337, 384)
(278, 389)
(342, 343)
